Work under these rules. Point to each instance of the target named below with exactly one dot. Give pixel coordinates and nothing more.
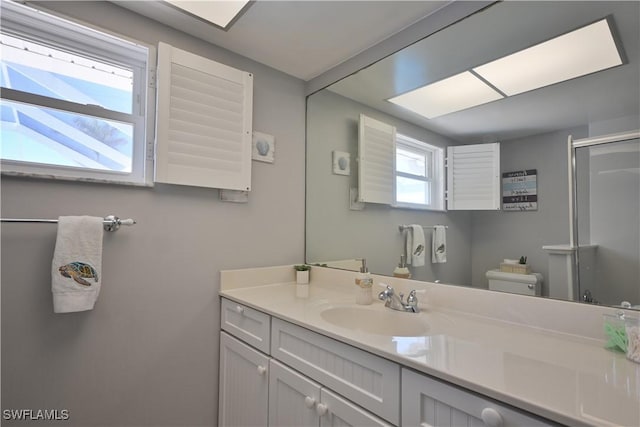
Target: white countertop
(563, 377)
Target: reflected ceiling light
(454, 93)
(583, 51)
(220, 13)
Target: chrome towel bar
(407, 227)
(111, 222)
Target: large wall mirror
(532, 126)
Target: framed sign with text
(520, 190)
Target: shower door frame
(572, 145)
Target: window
(73, 100)
(419, 174)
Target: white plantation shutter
(473, 177)
(204, 122)
(376, 161)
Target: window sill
(416, 207)
(74, 179)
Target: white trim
(605, 139)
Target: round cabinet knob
(530, 286)
(321, 409)
(491, 417)
(262, 370)
(309, 402)
(239, 309)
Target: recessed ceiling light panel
(583, 51)
(220, 13)
(454, 93)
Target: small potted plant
(302, 273)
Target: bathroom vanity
(323, 360)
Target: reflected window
(419, 174)
(73, 100)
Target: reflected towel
(415, 245)
(76, 269)
(439, 245)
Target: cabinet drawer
(368, 380)
(427, 402)
(251, 326)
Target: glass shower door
(607, 204)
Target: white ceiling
(306, 38)
(302, 38)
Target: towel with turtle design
(76, 264)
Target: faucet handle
(412, 299)
(387, 287)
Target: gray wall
(499, 234)
(148, 353)
(334, 232)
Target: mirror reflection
(496, 214)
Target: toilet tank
(524, 284)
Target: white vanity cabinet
(306, 379)
(366, 379)
(244, 384)
(292, 398)
(295, 400)
(427, 402)
(258, 390)
(339, 412)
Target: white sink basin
(380, 322)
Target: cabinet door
(292, 398)
(244, 384)
(368, 380)
(427, 402)
(335, 411)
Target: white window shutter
(204, 122)
(376, 161)
(473, 177)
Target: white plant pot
(302, 277)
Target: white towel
(415, 245)
(439, 244)
(76, 269)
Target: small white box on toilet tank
(524, 284)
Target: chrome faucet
(396, 302)
(588, 298)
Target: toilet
(524, 284)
